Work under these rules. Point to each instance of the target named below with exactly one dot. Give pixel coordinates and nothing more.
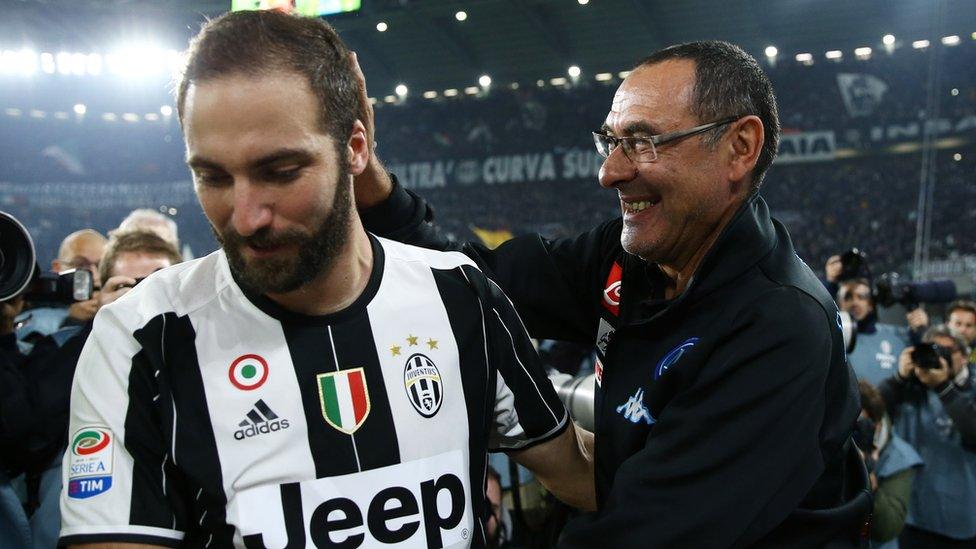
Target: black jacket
(723, 416)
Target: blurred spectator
(151, 220)
(79, 250)
(934, 410)
(875, 355)
(498, 527)
(891, 464)
(961, 321)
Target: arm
(743, 443)
(117, 482)
(530, 421)
(961, 407)
(891, 505)
(564, 466)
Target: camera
(20, 274)
(926, 356)
(854, 264)
(890, 289)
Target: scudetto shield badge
(423, 383)
(344, 398)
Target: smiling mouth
(638, 205)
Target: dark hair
(871, 401)
(961, 305)
(729, 82)
(138, 241)
(266, 41)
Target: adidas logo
(260, 421)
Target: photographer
(932, 401)
(891, 463)
(878, 345)
(961, 321)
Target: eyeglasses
(644, 149)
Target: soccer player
(308, 384)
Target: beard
(317, 252)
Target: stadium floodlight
(61, 115)
(430, 94)
(862, 53)
(382, 26)
(771, 51)
(93, 63)
(973, 35)
(954, 92)
(373, 100)
(48, 65)
(558, 81)
(623, 74)
(920, 44)
(834, 54)
(130, 117)
(472, 90)
(78, 64)
(36, 113)
(390, 99)
(63, 61)
(151, 117)
(574, 72)
(805, 58)
(450, 92)
(603, 77)
(950, 40)
(10, 111)
(401, 90)
(514, 85)
(888, 40)
(583, 2)
(461, 15)
(957, 157)
(484, 80)
(80, 109)
(166, 110)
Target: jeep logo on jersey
(260, 421)
(90, 462)
(611, 292)
(344, 399)
(248, 372)
(419, 503)
(673, 356)
(423, 383)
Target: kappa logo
(90, 462)
(248, 372)
(634, 410)
(611, 292)
(673, 356)
(260, 421)
(344, 398)
(422, 380)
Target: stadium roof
(427, 48)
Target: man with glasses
(933, 407)
(875, 357)
(81, 249)
(724, 402)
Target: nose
(616, 169)
(253, 208)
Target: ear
(357, 149)
(746, 138)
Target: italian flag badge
(344, 399)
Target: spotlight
(166, 110)
(950, 40)
(888, 40)
(574, 71)
(834, 54)
(461, 15)
(381, 26)
(484, 80)
(771, 51)
(920, 44)
(401, 90)
(80, 109)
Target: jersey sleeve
(114, 469)
(527, 410)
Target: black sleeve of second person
(554, 284)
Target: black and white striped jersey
(203, 415)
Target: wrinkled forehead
(657, 95)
